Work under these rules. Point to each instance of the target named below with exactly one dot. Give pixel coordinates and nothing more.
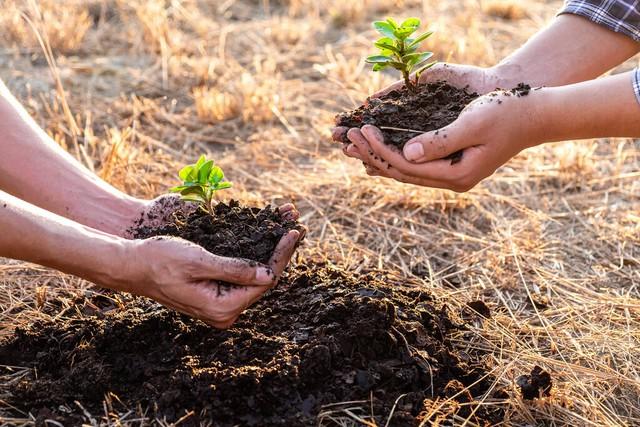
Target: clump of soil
(232, 230)
(537, 384)
(402, 115)
(433, 107)
(323, 336)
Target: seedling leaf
(420, 39)
(399, 50)
(378, 59)
(385, 29)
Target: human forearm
(35, 235)
(599, 108)
(35, 169)
(570, 50)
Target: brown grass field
(136, 88)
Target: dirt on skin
(231, 231)
(321, 337)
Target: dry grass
(256, 82)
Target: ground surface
(550, 243)
(323, 336)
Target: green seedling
(200, 181)
(400, 51)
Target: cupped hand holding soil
(475, 80)
(446, 135)
(213, 283)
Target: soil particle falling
(322, 336)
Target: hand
(490, 131)
(185, 277)
(476, 79)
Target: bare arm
(495, 128)
(570, 50)
(174, 272)
(36, 169)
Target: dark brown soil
(323, 336)
(433, 107)
(537, 384)
(232, 230)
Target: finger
(356, 136)
(283, 252)
(235, 270)
(352, 151)
(289, 212)
(339, 133)
(435, 145)
(435, 170)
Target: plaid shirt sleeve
(621, 16)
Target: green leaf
(403, 33)
(185, 173)
(385, 29)
(224, 185)
(200, 162)
(216, 175)
(198, 191)
(379, 67)
(420, 38)
(416, 58)
(177, 189)
(398, 65)
(392, 22)
(411, 22)
(203, 172)
(386, 46)
(378, 59)
(425, 68)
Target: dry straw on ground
(152, 83)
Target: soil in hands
(432, 107)
(231, 231)
(321, 337)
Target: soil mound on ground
(321, 337)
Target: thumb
(435, 145)
(238, 271)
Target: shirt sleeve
(621, 16)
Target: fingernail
(264, 275)
(414, 151)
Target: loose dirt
(321, 337)
(537, 384)
(433, 107)
(232, 230)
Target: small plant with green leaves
(400, 51)
(200, 182)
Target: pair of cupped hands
(185, 277)
(182, 275)
(489, 132)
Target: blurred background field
(551, 242)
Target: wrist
(114, 215)
(505, 75)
